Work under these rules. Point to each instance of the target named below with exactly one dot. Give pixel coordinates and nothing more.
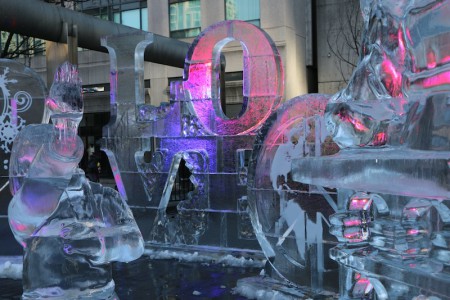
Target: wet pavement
(165, 279)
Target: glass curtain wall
(126, 12)
(245, 10)
(184, 18)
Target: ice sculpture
(392, 174)
(22, 98)
(291, 219)
(70, 228)
(149, 146)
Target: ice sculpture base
(264, 287)
(396, 171)
(105, 292)
(402, 279)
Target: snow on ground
(226, 260)
(251, 292)
(11, 267)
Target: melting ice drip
(70, 228)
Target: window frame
(256, 22)
(188, 32)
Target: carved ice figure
(374, 98)
(70, 228)
(395, 95)
(392, 123)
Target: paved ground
(163, 279)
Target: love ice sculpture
(149, 146)
(70, 228)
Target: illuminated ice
(290, 219)
(392, 123)
(182, 165)
(70, 228)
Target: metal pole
(45, 21)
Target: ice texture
(70, 228)
(22, 100)
(290, 220)
(392, 172)
(182, 164)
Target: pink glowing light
(50, 103)
(413, 232)
(445, 59)
(437, 80)
(380, 139)
(357, 124)
(431, 60)
(353, 222)
(263, 77)
(391, 77)
(363, 281)
(360, 204)
(18, 227)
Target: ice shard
(70, 228)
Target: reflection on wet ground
(165, 279)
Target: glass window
(130, 13)
(136, 18)
(144, 19)
(245, 10)
(184, 18)
(131, 18)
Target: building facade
(303, 31)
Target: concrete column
(59, 52)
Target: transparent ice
(70, 228)
(348, 195)
(150, 147)
(22, 98)
(391, 176)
